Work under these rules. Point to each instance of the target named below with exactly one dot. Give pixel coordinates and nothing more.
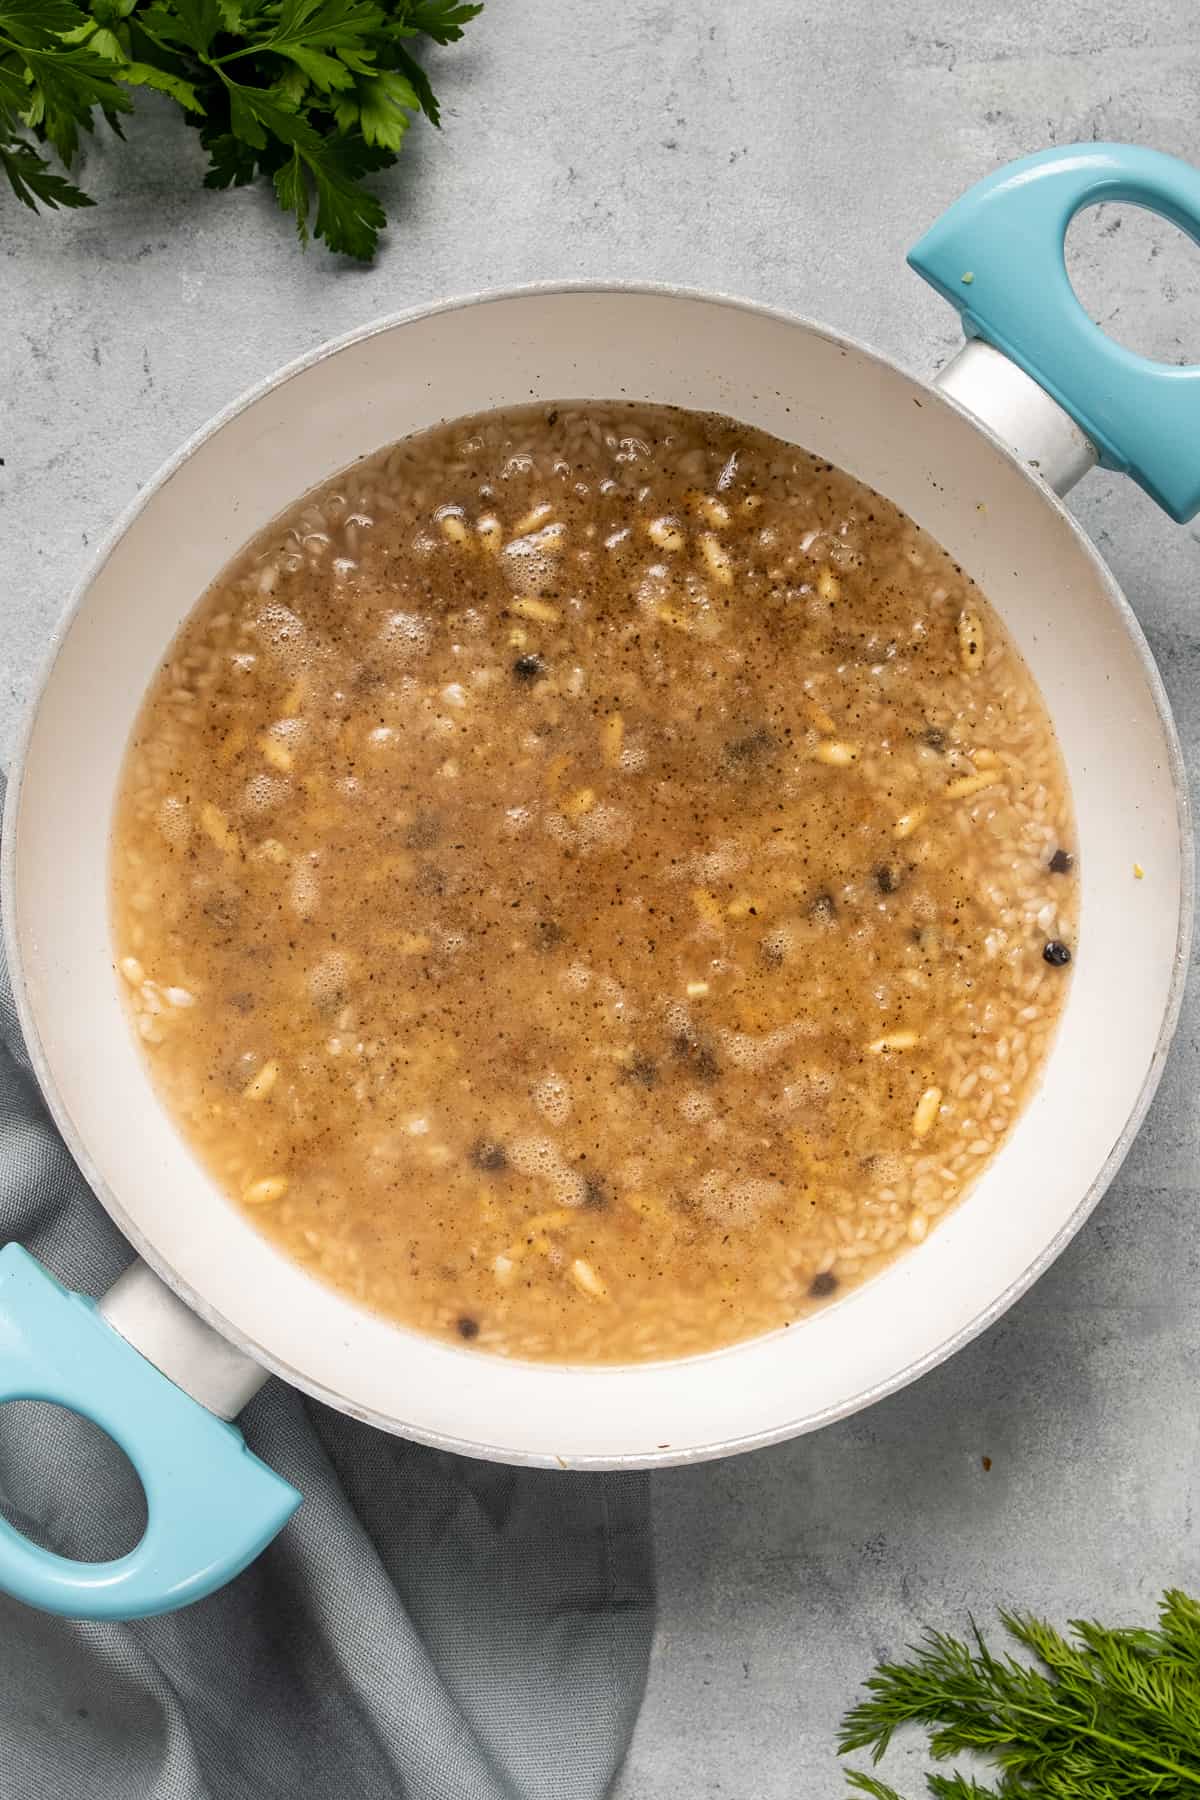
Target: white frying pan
(191, 1331)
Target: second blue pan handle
(211, 1504)
(998, 256)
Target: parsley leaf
(313, 95)
(442, 20)
(38, 23)
(339, 25)
(65, 84)
(33, 180)
(349, 217)
(377, 107)
(426, 98)
(140, 74)
(230, 162)
(190, 23)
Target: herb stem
(1100, 1737)
(218, 62)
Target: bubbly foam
(750, 1052)
(284, 635)
(736, 1200)
(304, 889)
(541, 1159)
(404, 634)
(264, 793)
(552, 1096)
(173, 821)
(531, 563)
(328, 979)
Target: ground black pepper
(489, 1156)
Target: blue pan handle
(997, 255)
(211, 1504)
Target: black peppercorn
(528, 668)
(1062, 862)
(821, 1286)
(468, 1327)
(1056, 954)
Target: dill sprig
(1106, 1714)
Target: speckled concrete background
(791, 153)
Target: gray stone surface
(791, 153)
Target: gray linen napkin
(425, 1628)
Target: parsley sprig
(312, 94)
(1107, 1714)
